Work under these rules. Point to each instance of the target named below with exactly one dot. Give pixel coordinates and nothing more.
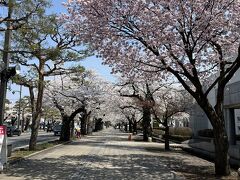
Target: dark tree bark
(222, 166)
(130, 126)
(27, 124)
(84, 126)
(67, 120)
(99, 124)
(146, 122)
(135, 126)
(34, 132)
(72, 129)
(38, 109)
(65, 131)
(221, 152)
(125, 127)
(83, 120)
(166, 141)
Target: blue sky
(92, 63)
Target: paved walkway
(108, 155)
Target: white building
(231, 105)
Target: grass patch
(25, 152)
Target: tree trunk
(222, 167)
(65, 131)
(125, 127)
(38, 108)
(147, 131)
(34, 132)
(130, 127)
(84, 125)
(72, 129)
(135, 127)
(98, 124)
(167, 147)
(27, 124)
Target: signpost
(3, 146)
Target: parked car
(57, 129)
(49, 127)
(13, 130)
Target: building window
(238, 118)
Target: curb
(44, 150)
(26, 146)
(38, 152)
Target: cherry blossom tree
(191, 40)
(133, 115)
(142, 91)
(170, 103)
(127, 109)
(80, 93)
(145, 100)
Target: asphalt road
(23, 139)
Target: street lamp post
(4, 73)
(19, 107)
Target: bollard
(130, 136)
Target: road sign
(3, 147)
(2, 130)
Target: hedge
(181, 131)
(206, 133)
(178, 138)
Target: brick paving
(108, 155)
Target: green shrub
(158, 131)
(206, 133)
(178, 138)
(181, 131)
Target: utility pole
(19, 107)
(6, 56)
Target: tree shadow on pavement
(120, 160)
(108, 167)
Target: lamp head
(18, 69)
(12, 71)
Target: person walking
(78, 132)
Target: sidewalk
(108, 155)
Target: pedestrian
(78, 132)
